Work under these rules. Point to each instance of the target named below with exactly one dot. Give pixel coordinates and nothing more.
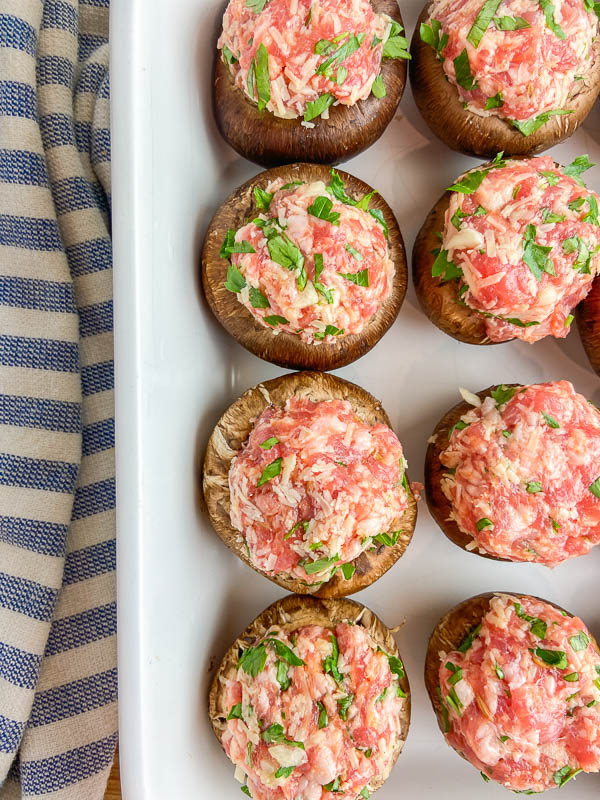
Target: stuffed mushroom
(305, 267)
(505, 75)
(509, 250)
(306, 482)
(317, 80)
(513, 473)
(312, 701)
(515, 685)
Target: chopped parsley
(284, 252)
(235, 712)
(316, 108)
(343, 705)
(533, 487)
(323, 718)
(458, 426)
(283, 651)
(330, 330)
(431, 36)
(579, 641)
(274, 735)
(282, 675)
(595, 488)
(253, 660)
(377, 215)
(396, 46)
(262, 198)
(263, 84)
(462, 68)
(469, 639)
(275, 319)
(228, 56)
(235, 280)
(470, 182)
(257, 298)
(357, 256)
(256, 5)
(337, 57)
(444, 268)
(503, 394)
(510, 23)
(388, 539)
(321, 208)
(284, 772)
(547, 7)
(536, 255)
(230, 246)
(293, 530)
(494, 102)
(330, 664)
(577, 166)
(550, 420)
(317, 284)
(548, 216)
(378, 86)
(311, 567)
(348, 570)
(535, 123)
(270, 471)
(359, 278)
(482, 21)
(561, 776)
(554, 658)
(484, 522)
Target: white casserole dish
(183, 596)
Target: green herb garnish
(270, 471)
(482, 21)
(535, 123)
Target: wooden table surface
(113, 789)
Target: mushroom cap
(437, 502)
(294, 612)
(269, 140)
(469, 133)
(232, 431)
(287, 349)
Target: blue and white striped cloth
(58, 676)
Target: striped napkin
(58, 677)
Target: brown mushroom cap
(232, 431)
(287, 349)
(469, 133)
(588, 323)
(451, 630)
(294, 612)
(269, 140)
(439, 300)
(437, 502)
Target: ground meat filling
(314, 487)
(298, 57)
(521, 696)
(310, 264)
(522, 239)
(523, 473)
(492, 52)
(314, 714)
